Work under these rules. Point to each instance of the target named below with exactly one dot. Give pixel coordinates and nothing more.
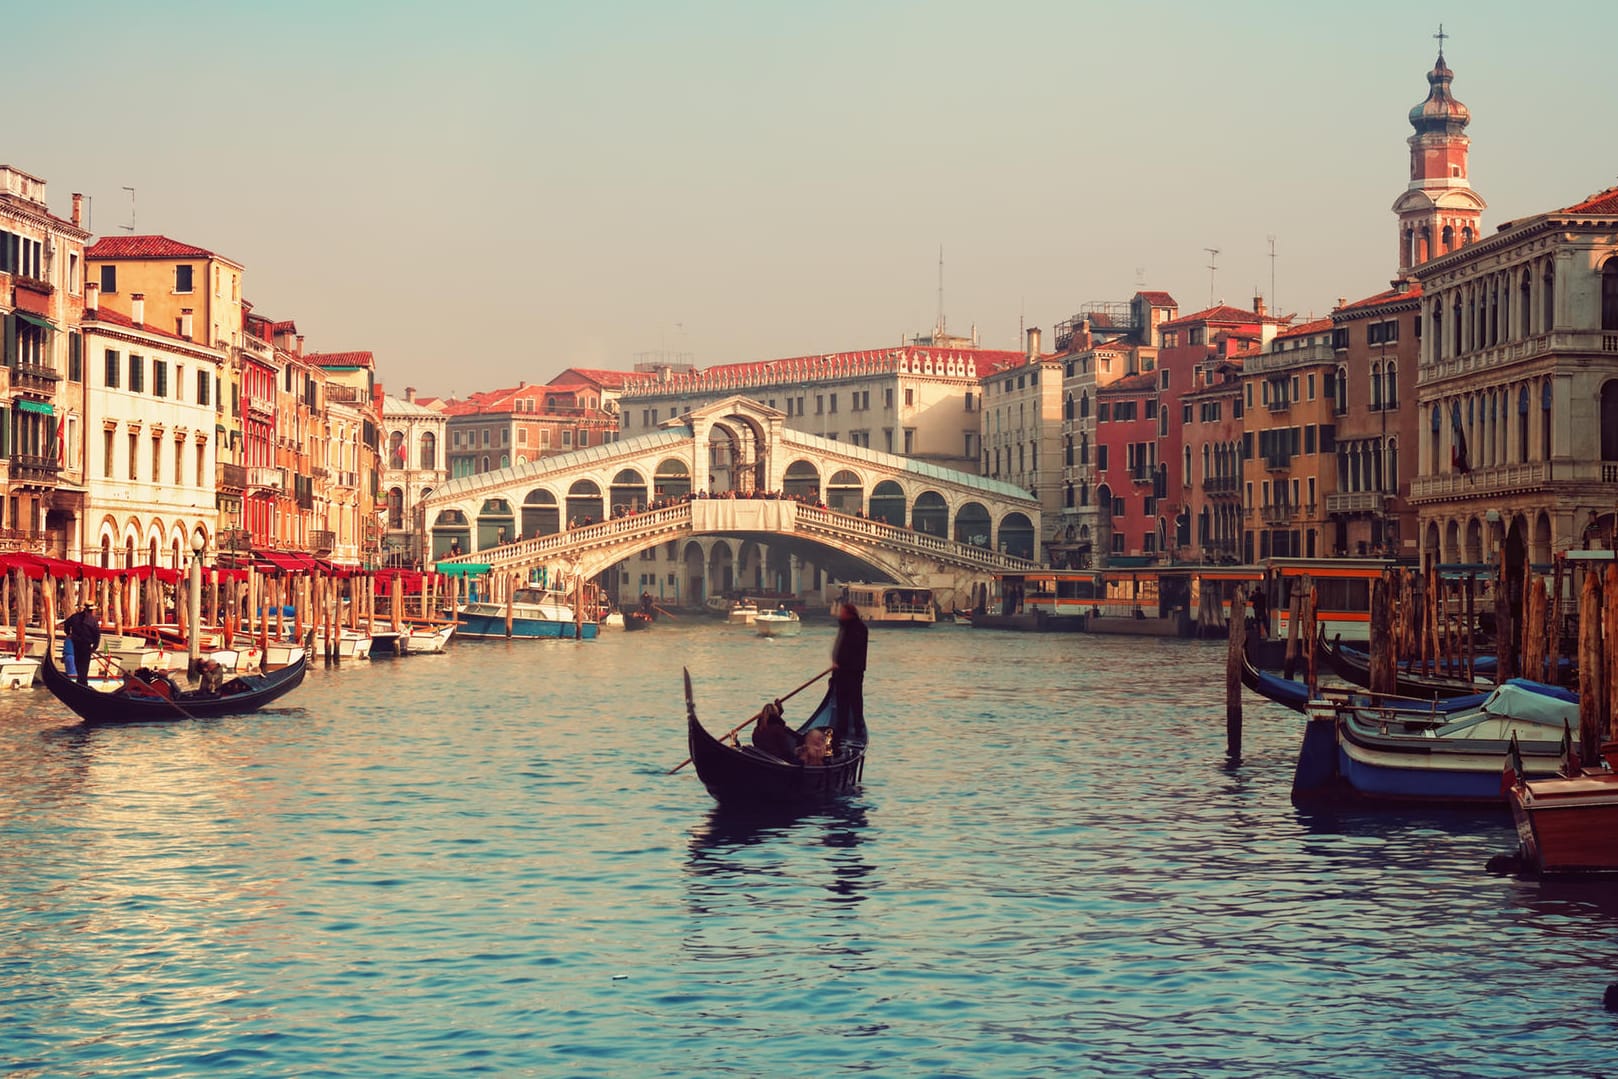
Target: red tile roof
(1602, 202)
(144, 247)
(1158, 299)
(611, 380)
(1218, 313)
(342, 359)
(1145, 380)
(1411, 291)
(284, 326)
(1319, 325)
(108, 316)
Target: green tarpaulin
(44, 408)
(462, 569)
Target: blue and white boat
(1395, 754)
(536, 613)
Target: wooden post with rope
(738, 728)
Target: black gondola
(745, 776)
(238, 696)
(1356, 668)
(634, 620)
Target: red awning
(283, 562)
(411, 580)
(146, 573)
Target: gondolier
(84, 634)
(848, 675)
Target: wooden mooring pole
(1233, 674)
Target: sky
(488, 192)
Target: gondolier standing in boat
(84, 632)
(848, 675)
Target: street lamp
(194, 606)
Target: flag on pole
(61, 441)
(1513, 772)
(1457, 453)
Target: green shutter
(11, 340)
(75, 357)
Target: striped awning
(44, 408)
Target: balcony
(1142, 474)
(305, 500)
(1510, 479)
(346, 395)
(36, 378)
(322, 540)
(1278, 462)
(260, 406)
(1220, 485)
(266, 478)
(1356, 502)
(232, 477)
(1277, 513)
(1558, 343)
(34, 468)
(1278, 404)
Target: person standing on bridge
(848, 675)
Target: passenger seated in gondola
(213, 675)
(772, 735)
(816, 747)
(149, 683)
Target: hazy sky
(483, 192)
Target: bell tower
(1438, 212)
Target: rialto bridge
(726, 498)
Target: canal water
(476, 863)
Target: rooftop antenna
(1273, 306)
(938, 327)
(1213, 259)
(131, 226)
(1140, 277)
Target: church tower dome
(1438, 212)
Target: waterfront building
(149, 408)
(42, 274)
(1213, 419)
(343, 397)
(1022, 429)
(197, 294)
(412, 467)
(1373, 391)
(1289, 444)
(1518, 389)
(1128, 483)
(497, 428)
(257, 371)
(1186, 345)
(1103, 342)
(919, 401)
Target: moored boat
(889, 605)
(426, 639)
(742, 612)
(1396, 754)
(743, 775)
(137, 702)
(536, 614)
(778, 623)
(637, 620)
(1566, 823)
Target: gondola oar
(748, 722)
(661, 610)
(113, 660)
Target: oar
(661, 610)
(748, 722)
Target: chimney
(78, 210)
(1033, 343)
(137, 308)
(92, 297)
(410, 394)
(186, 324)
(1258, 305)
(300, 345)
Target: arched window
(1609, 294)
(1524, 308)
(396, 451)
(1438, 332)
(1069, 500)
(1084, 405)
(1376, 387)
(1084, 494)
(1457, 348)
(1449, 237)
(1067, 448)
(1522, 425)
(1185, 476)
(1084, 448)
(1390, 384)
(1067, 407)
(1545, 420)
(1466, 235)
(1609, 420)
(429, 450)
(1340, 391)
(1548, 299)
(1390, 475)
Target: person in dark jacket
(848, 675)
(772, 735)
(84, 632)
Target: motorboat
(777, 623)
(742, 612)
(535, 613)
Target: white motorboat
(778, 623)
(742, 612)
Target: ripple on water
(477, 863)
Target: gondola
(1356, 668)
(745, 776)
(246, 693)
(634, 620)
(1295, 695)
